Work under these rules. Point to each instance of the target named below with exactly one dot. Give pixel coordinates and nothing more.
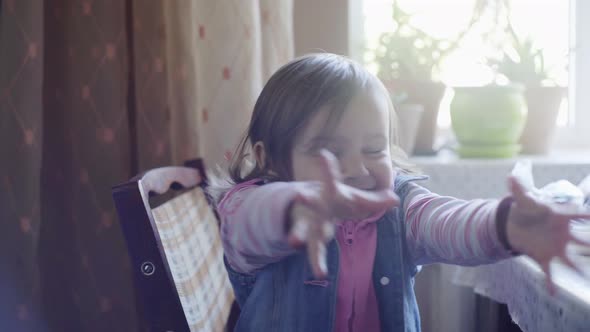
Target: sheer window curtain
(220, 54)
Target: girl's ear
(259, 154)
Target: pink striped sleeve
(253, 224)
(442, 229)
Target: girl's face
(360, 141)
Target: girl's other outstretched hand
(317, 207)
(542, 230)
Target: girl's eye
(374, 152)
(316, 151)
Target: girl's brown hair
(292, 96)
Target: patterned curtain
(221, 53)
(91, 93)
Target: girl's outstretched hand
(541, 230)
(312, 215)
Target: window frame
(577, 135)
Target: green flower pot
(488, 120)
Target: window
(556, 27)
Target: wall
(321, 26)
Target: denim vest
(285, 296)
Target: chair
(175, 248)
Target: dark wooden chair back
(174, 244)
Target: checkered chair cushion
(189, 234)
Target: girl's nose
(355, 173)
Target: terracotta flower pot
(408, 119)
(425, 93)
(543, 106)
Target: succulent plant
(410, 53)
(521, 61)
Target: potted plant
(488, 120)
(405, 122)
(408, 59)
(501, 120)
(523, 63)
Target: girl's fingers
(578, 241)
(571, 216)
(519, 193)
(299, 233)
(312, 233)
(330, 171)
(316, 250)
(548, 278)
(328, 230)
(309, 196)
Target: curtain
(230, 48)
(91, 93)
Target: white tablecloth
(517, 282)
(520, 284)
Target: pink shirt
(356, 304)
(438, 229)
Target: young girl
(325, 228)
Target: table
(518, 282)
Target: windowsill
(561, 157)
(486, 178)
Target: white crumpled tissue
(560, 192)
